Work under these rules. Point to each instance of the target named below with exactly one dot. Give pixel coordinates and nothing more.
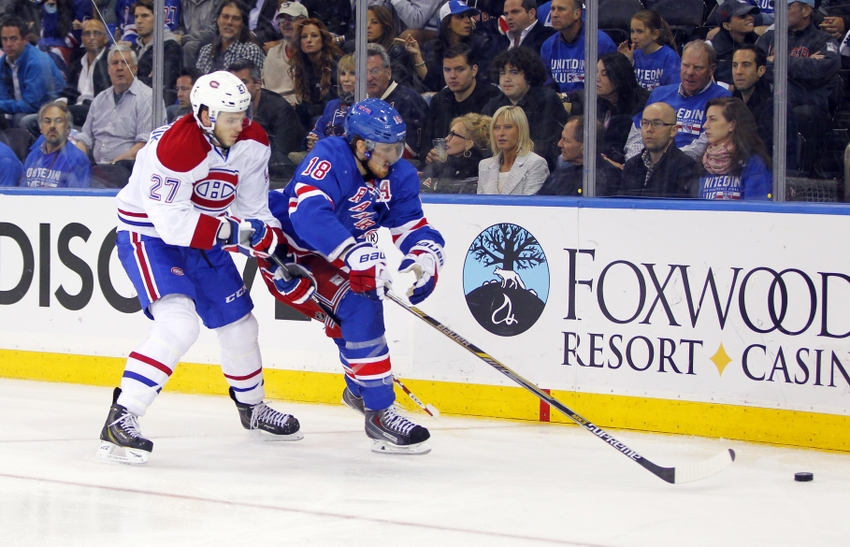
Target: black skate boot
(353, 401)
(263, 418)
(121, 433)
(392, 433)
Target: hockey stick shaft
(668, 474)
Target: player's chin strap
(364, 163)
(214, 140)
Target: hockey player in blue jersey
(343, 191)
(174, 232)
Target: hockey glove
(295, 288)
(424, 260)
(251, 237)
(368, 270)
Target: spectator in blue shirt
(52, 162)
(563, 52)
(736, 162)
(10, 167)
(28, 77)
(688, 99)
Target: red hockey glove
(369, 274)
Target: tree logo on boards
(506, 279)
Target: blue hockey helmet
(374, 121)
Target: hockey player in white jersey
(199, 188)
(342, 192)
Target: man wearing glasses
(688, 100)
(409, 104)
(661, 170)
(88, 74)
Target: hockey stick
(430, 409)
(287, 275)
(673, 475)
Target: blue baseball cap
(454, 7)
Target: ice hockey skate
(392, 433)
(268, 422)
(121, 439)
(353, 402)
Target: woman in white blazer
(514, 169)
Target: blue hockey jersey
(565, 61)
(327, 205)
(331, 122)
(656, 69)
(127, 21)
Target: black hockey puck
(803, 477)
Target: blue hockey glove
(424, 260)
(295, 288)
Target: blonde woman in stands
(514, 169)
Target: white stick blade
(707, 468)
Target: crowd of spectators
(492, 92)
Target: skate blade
(265, 436)
(112, 453)
(385, 447)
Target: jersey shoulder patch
(254, 132)
(183, 147)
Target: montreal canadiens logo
(214, 84)
(506, 279)
(177, 271)
(216, 191)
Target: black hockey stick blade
(673, 475)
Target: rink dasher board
(621, 336)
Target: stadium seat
(683, 16)
(617, 14)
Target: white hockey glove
(251, 237)
(425, 260)
(369, 274)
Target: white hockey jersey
(181, 183)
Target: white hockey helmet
(220, 92)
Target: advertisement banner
(738, 307)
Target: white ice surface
(486, 482)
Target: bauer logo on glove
(368, 273)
